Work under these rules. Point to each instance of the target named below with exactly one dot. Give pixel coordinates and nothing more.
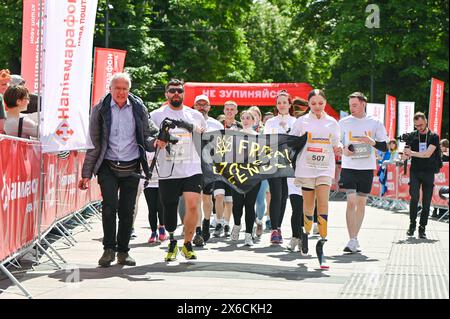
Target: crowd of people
(128, 141)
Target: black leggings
(416, 181)
(155, 210)
(248, 200)
(278, 198)
(297, 214)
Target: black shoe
(422, 234)
(125, 259)
(205, 230)
(226, 231)
(304, 243)
(411, 230)
(218, 231)
(107, 258)
(198, 240)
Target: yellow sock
(322, 220)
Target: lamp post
(108, 7)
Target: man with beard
(202, 235)
(180, 170)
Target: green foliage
(324, 43)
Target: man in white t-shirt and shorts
(179, 165)
(361, 135)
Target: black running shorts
(359, 180)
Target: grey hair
(120, 76)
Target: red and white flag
(390, 119)
(68, 41)
(30, 43)
(436, 105)
(106, 63)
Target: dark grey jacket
(100, 129)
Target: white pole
(41, 170)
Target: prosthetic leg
(322, 219)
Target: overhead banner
(68, 35)
(376, 110)
(106, 63)
(243, 160)
(391, 116)
(436, 105)
(30, 43)
(248, 94)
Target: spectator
(389, 157)
(16, 100)
(5, 78)
(444, 149)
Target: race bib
(317, 158)
(422, 147)
(362, 151)
(180, 151)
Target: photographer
(422, 148)
(179, 164)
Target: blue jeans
(261, 199)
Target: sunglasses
(173, 90)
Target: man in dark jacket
(121, 131)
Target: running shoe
(235, 232)
(352, 246)
(226, 231)
(305, 243)
(198, 240)
(205, 230)
(162, 233)
(218, 231)
(248, 240)
(153, 238)
(187, 251)
(295, 242)
(280, 236)
(259, 228)
(172, 252)
(274, 237)
(268, 224)
(133, 234)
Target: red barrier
(19, 189)
(66, 185)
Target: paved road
(389, 266)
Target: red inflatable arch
(247, 94)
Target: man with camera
(121, 131)
(422, 147)
(361, 135)
(179, 164)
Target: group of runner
(353, 138)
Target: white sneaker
(352, 246)
(235, 233)
(316, 229)
(213, 223)
(293, 243)
(248, 240)
(357, 244)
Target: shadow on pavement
(350, 258)
(415, 241)
(146, 272)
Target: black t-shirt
(425, 164)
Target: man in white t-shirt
(361, 135)
(179, 164)
(202, 234)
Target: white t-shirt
(183, 160)
(352, 128)
(213, 124)
(279, 124)
(292, 189)
(317, 156)
(29, 127)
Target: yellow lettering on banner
(224, 165)
(242, 145)
(266, 150)
(241, 177)
(267, 167)
(231, 180)
(286, 151)
(278, 154)
(280, 165)
(250, 168)
(253, 149)
(257, 163)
